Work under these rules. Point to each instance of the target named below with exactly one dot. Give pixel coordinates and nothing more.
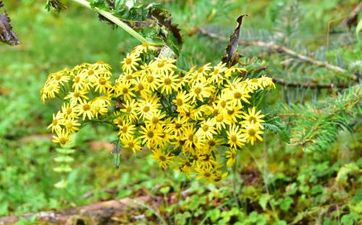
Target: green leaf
(347, 169)
(65, 151)
(286, 203)
(64, 159)
(358, 28)
(214, 214)
(263, 200)
(349, 219)
(63, 169)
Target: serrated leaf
(64, 159)
(61, 184)
(63, 169)
(65, 151)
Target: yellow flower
(60, 77)
(191, 138)
(152, 80)
(208, 173)
(129, 107)
(200, 90)
(168, 82)
(154, 118)
(230, 155)
(143, 48)
(102, 84)
(265, 82)
(49, 91)
(176, 125)
(80, 82)
(162, 66)
(207, 129)
(150, 135)
(140, 86)
(131, 143)
(71, 125)
(130, 63)
(126, 130)
(216, 75)
(124, 89)
(235, 137)
(252, 133)
(253, 117)
(147, 106)
(77, 96)
(100, 106)
(85, 110)
(181, 101)
(68, 111)
(185, 166)
(56, 123)
(237, 95)
(163, 158)
(232, 114)
(62, 137)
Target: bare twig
(271, 46)
(309, 85)
(303, 85)
(352, 18)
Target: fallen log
(105, 213)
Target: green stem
(117, 21)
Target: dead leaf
(231, 56)
(7, 35)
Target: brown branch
(281, 49)
(105, 212)
(352, 18)
(309, 85)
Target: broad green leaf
(263, 200)
(358, 28)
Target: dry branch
(352, 18)
(271, 46)
(105, 212)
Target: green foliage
(316, 126)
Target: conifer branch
(271, 46)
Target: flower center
(251, 132)
(233, 138)
(86, 107)
(150, 134)
(146, 108)
(179, 102)
(167, 81)
(128, 61)
(197, 90)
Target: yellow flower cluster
(194, 121)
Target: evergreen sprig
(316, 126)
